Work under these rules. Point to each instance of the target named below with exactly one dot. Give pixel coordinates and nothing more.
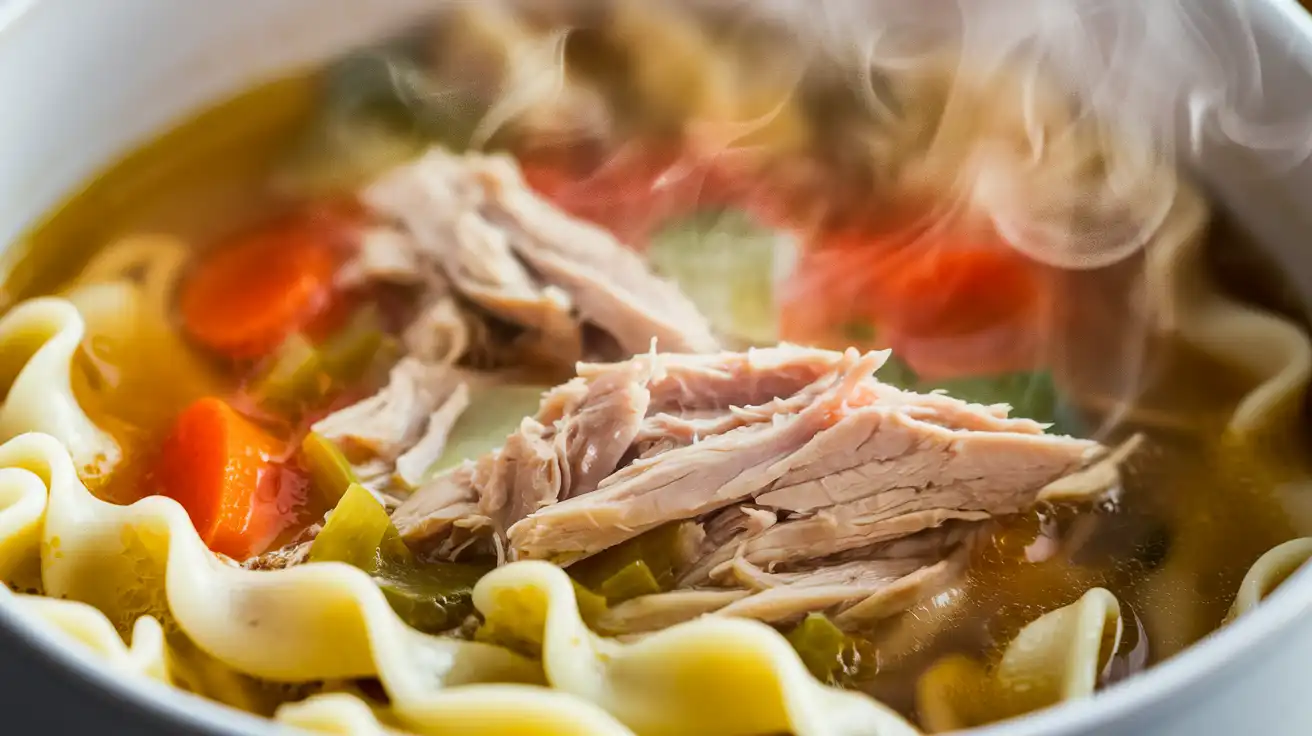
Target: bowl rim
(1192, 668)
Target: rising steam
(1059, 123)
(1058, 127)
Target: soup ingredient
(330, 472)
(363, 342)
(662, 610)
(1029, 394)
(302, 374)
(245, 297)
(789, 459)
(429, 596)
(874, 455)
(858, 592)
(647, 564)
(824, 648)
(296, 374)
(358, 533)
(949, 307)
(632, 580)
(223, 469)
(727, 265)
(495, 412)
(629, 193)
(473, 224)
(412, 414)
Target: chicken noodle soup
(670, 396)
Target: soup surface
(417, 315)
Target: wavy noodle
(38, 340)
(1055, 658)
(273, 625)
(488, 710)
(711, 675)
(1273, 350)
(89, 628)
(1268, 573)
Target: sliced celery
(633, 580)
(591, 606)
(431, 597)
(296, 374)
(330, 472)
(348, 354)
(821, 645)
(657, 550)
(354, 532)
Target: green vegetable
(358, 532)
(725, 263)
(825, 650)
(633, 580)
(591, 606)
(349, 353)
(330, 472)
(295, 376)
(493, 414)
(1033, 395)
(1030, 395)
(302, 373)
(645, 564)
(429, 596)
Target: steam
(1060, 128)
(1058, 124)
(1064, 122)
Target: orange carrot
(245, 297)
(947, 308)
(222, 469)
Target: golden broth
(206, 178)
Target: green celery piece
(354, 531)
(429, 596)
(1031, 395)
(347, 355)
(432, 597)
(591, 606)
(657, 550)
(724, 263)
(821, 645)
(330, 472)
(493, 414)
(633, 580)
(295, 376)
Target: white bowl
(83, 82)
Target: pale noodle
(1055, 658)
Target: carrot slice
(221, 468)
(948, 307)
(245, 297)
